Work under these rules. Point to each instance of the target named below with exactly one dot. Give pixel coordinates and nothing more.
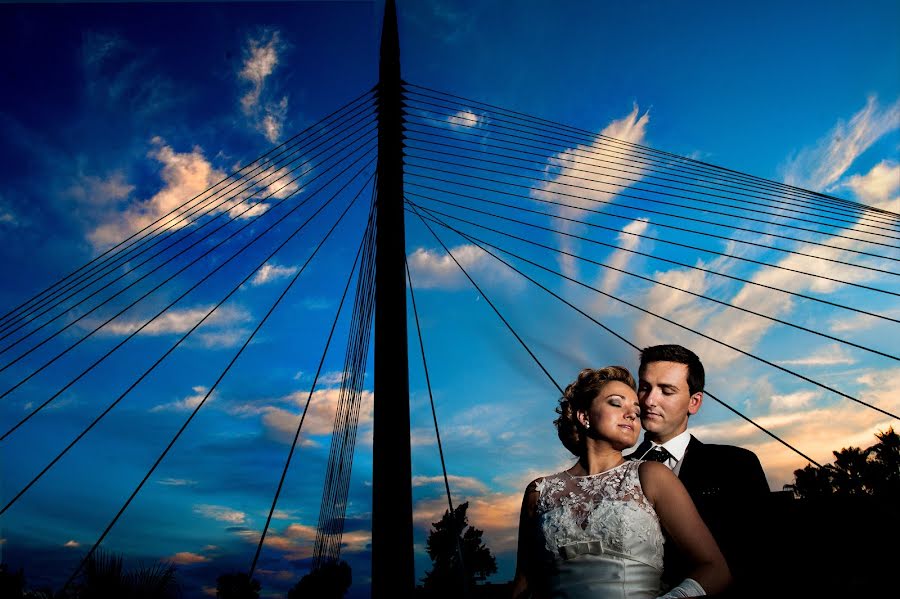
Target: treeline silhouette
(104, 577)
(833, 532)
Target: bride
(595, 530)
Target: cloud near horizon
(816, 430)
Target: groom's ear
(695, 402)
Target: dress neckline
(567, 473)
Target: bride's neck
(599, 459)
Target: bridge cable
(657, 282)
(209, 392)
(703, 233)
(670, 321)
(679, 216)
(601, 325)
(113, 250)
(161, 238)
(701, 166)
(437, 432)
(133, 334)
(659, 239)
(647, 255)
(517, 149)
(290, 455)
(332, 511)
(721, 172)
(838, 222)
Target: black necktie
(657, 454)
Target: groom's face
(666, 400)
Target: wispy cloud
(627, 239)
(185, 404)
(465, 119)
(187, 558)
(178, 482)
(831, 355)
(221, 513)
(272, 272)
(435, 269)
(744, 330)
(630, 129)
(223, 328)
(261, 58)
(820, 166)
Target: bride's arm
(679, 517)
(525, 548)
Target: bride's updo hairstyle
(578, 396)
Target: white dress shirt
(676, 446)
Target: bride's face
(614, 415)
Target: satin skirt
(605, 576)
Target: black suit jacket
(728, 486)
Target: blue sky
(112, 114)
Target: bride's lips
(628, 426)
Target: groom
(727, 483)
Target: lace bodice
(603, 514)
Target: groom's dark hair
(696, 377)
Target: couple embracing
(635, 526)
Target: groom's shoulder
(722, 452)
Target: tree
(237, 586)
(104, 577)
(874, 471)
(445, 541)
(330, 581)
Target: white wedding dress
(601, 536)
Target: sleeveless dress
(600, 537)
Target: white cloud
(260, 61)
(879, 187)
(831, 355)
(609, 281)
(72, 544)
(319, 418)
(222, 328)
(859, 322)
(261, 58)
(465, 119)
(631, 129)
(820, 166)
(272, 272)
(186, 558)
(177, 482)
(435, 269)
(792, 401)
(221, 513)
(185, 175)
(186, 404)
